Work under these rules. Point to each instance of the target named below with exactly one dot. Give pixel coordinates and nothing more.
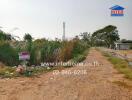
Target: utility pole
(64, 25)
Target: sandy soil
(96, 84)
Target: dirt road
(98, 83)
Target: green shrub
(79, 58)
(79, 48)
(8, 55)
(48, 51)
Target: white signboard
(24, 56)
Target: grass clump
(7, 72)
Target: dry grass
(120, 64)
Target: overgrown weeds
(120, 64)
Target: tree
(109, 34)
(28, 37)
(4, 36)
(87, 37)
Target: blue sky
(44, 18)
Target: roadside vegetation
(40, 50)
(44, 50)
(10, 72)
(120, 64)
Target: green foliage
(33, 55)
(48, 51)
(88, 39)
(28, 37)
(115, 60)
(42, 50)
(79, 58)
(79, 47)
(62, 51)
(29, 46)
(108, 34)
(4, 36)
(8, 54)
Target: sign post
(24, 56)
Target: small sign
(24, 56)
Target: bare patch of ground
(98, 84)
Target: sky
(44, 18)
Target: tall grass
(53, 51)
(43, 50)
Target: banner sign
(24, 56)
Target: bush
(62, 51)
(49, 50)
(66, 51)
(79, 48)
(8, 55)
